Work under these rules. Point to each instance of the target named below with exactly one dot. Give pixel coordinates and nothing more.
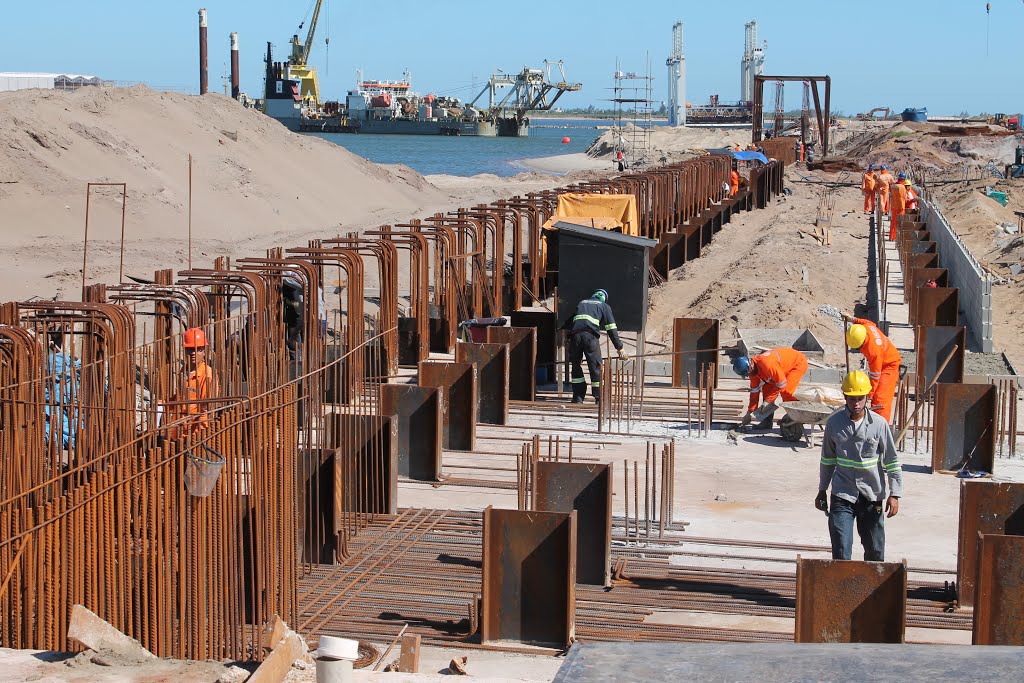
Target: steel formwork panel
(934, 344)
(365, 464)
(965, 428)
(695, 344)
(999, 594)
(491, 361)
(522, 359)
(458, 388)
(545, 323)
(918, 277)
(587, 489)
(529, 577)
(937, 307)
(417, 412)
(848, 601)
(986, 507)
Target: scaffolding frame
(632, 95)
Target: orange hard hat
(195, 338)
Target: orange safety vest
(883, 180)
(897, 198)
(911, 198)
(198, 388)
(877, 349)
(867, 183)
(734, 183)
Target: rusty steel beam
(999, 593)
(457, 385)
(934, 344)
(529, 577)
(417, 412)
(937, 307)
(491, 362)
(522, 359)
(965, 428)
(848, 601)
(695, 343)
(545, 323)
(587, 490)
(986, 507)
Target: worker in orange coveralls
(734, 182)
(897, 204)
(883, 180)
(775, 372)
(200, 385)
(883, 363)
(867, 186)
(911, 195)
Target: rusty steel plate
(545, 323)
(491, 361)
(365, 464)
(522, 359)
(999, 593)
(934, 344)
(587, 489)
(965, 427)
(849, 601)
(986, 507)
(529, 577)
(457, 382)
(417, 413)
(937, 307)
(695, 344)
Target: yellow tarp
(620, 207)
(599, 211)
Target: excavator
(871, 114)
(299, 67)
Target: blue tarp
(750, 156)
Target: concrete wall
(966, 274)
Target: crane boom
(312, 29)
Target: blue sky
(939, 62)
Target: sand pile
(254, 184)
(761, 271)
(672, 144)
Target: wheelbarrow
(800, 413)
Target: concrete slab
(792, 663)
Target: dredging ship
(292, 96)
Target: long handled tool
(917, 399)
(846, 328)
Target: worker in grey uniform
(592, 316)
(857, 456)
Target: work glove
(821, 502)
(623, 355)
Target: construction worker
(734, 181)
(774, 373)
(200, 384)
(883, 361)
(882, 181)
(911, 195)
(867, 187)
(857, 456)
(897, 204)
(592, 316)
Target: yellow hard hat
(856, 383)
(856, 335)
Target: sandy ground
(254, 185)
(762, 271)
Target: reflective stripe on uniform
(857, 464)
(588, 319)
(874, 375)
(781, 385)
(756, 390)
(611, 326)
(577, 380)
(595, 384)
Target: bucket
(333, 670)
(201, 473)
